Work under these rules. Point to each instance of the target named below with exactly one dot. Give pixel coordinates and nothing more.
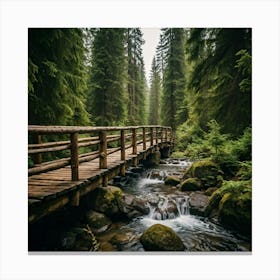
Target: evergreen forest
(200, 85)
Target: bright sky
(151, 37)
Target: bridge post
(144, 138)
(122, 168)
(74, 156)
(134, 141)
(166, 133)
(102, 150)
(122, 145)
(152, 137)
(37, 157)
(161, 135)
(134, 146)
(156, 135)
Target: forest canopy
(96, 76)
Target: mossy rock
(161, 238)
(109, 200)
(97, 221)
(191, 184)
(233, 203)
(171, 181)
(207, 172)
(210, 191)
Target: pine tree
(174, 77)
(221, 77)
(56, 77)
(155, 93)
(136, 86)
(107, 96)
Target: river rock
(191, 184)
(198, 202)
(153, 159)
(109, 200)
(233, 204)
(207, 172)
(161, 238)
(76, 239)
(107, 247)
(210, 191)
(97, 221)
(135, 206)
(172, 181)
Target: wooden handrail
(136, 135)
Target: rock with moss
(153, 159)
(98, 222)
(109, 200)
(191, 184)
(233, 203)
(172, 181)
(210, 191)
(77, 239)
(207, 172)
(161, 238)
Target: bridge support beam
(74, 156)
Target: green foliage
(173, 109)
(220, 78)
(136, 81)
(233, 203)
(216, 146)
(107, 97)
(245, 170)
(56, 77)
(244, 66)
(155, 94)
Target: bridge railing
(102, 141)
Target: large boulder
(78, 239)
(135, 206)
(109, 200)
(153, 159)
(207, 172)
(191, 184)
(233, 205)
(172, 181)
(161, 238)
(198, 202)
(98, 222)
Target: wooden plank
(56, 188)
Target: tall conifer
(56, 77)
(107, 96)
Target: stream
(166, 205)
(170, 207)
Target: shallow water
(197, 233)
(168, 206)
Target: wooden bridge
(87, 157)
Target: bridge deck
(51, 190)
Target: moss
(161, 238)
(97, 221)
(191, 184)
(210, 191)
(233, 201)
(207, 172)
(172, 181)
(108, 200)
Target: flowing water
(170, 207)
(164, 204)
